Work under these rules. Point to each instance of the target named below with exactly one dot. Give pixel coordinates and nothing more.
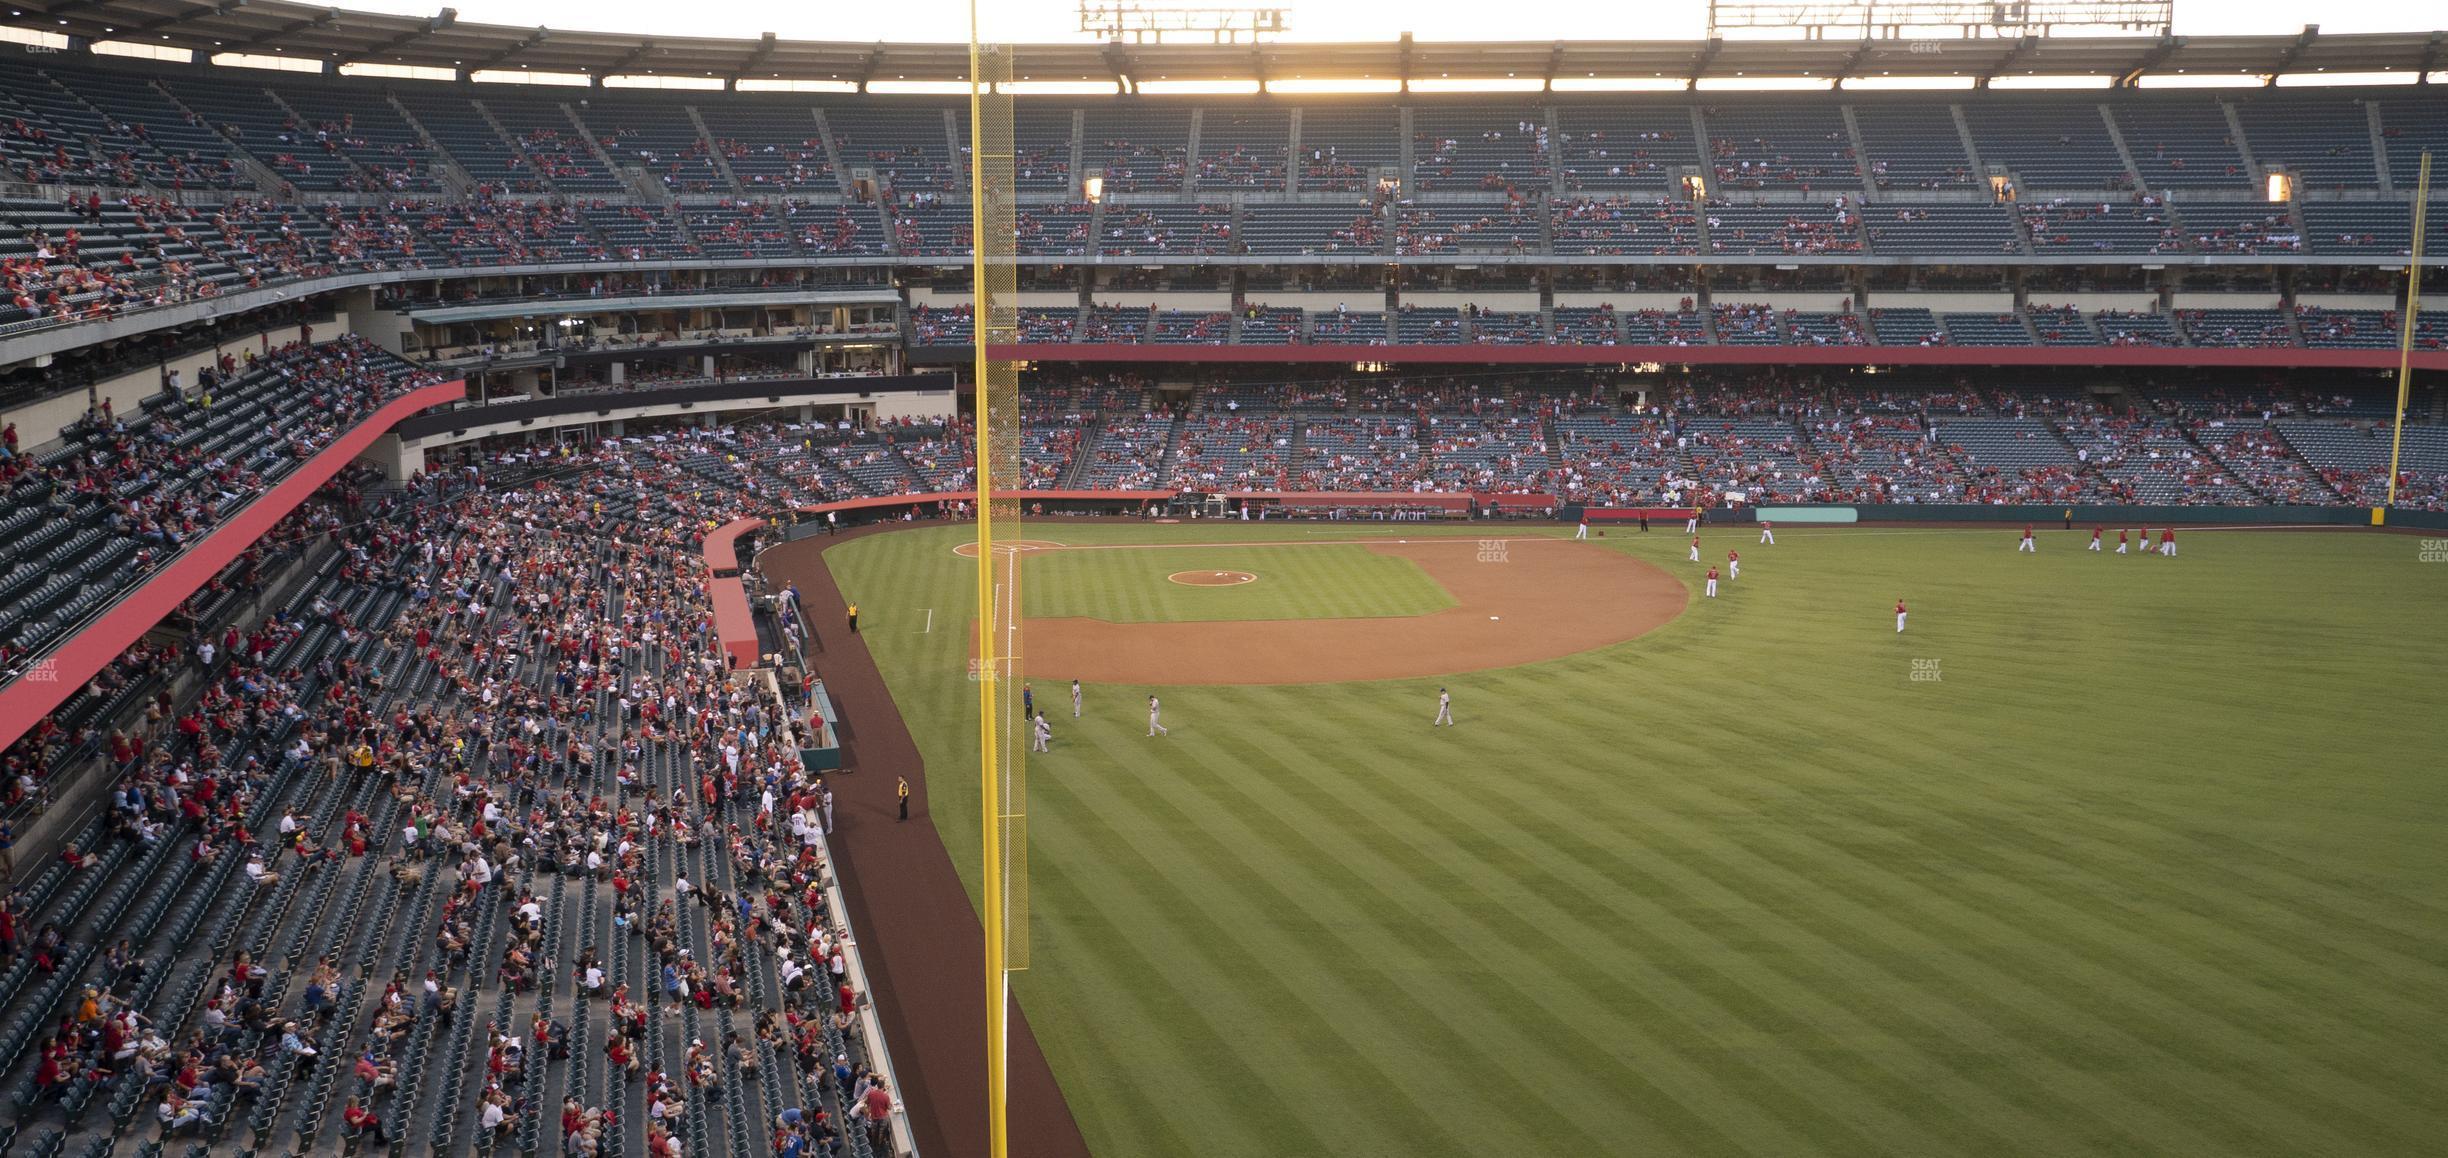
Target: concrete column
(380, 326)
(394, 458)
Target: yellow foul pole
(988, 669)
(2407, 323)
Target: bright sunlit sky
(1051, 21)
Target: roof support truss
(2286, 59)
(2158, 55)
(323, 19)
(756, 59)
(2014, 56)
(505, 56)
(433, 24)
(1708, 56)
(168, 21)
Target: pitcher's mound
(1212, 578)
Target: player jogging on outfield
(1733, 564)
(1695, 549)
(1767, 532)
(2027, 544)
(2167, 541)
(1691, 522)
(1156, 718)
(2120, 540)
(1581, 532)
(2095, 538)
(1712, 583)
(1075, 699)
(1899, 617)
(1444, 708)
(1041, 732)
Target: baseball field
(2102, 855)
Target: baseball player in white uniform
(1767, 532)
(1075, 699)
(1444, 708)
(1582, 531)
(1041, 732)
(1156, 718)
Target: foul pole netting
(1003, 732)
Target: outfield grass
(1126, 584)
(2152, 867)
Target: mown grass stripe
(1434, 990)
(1824, 1019)
(2163, 1036)
(1325, 1059)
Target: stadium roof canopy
(337, 37)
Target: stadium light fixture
(1199, 87)
(1093, 187)
(2358, 79)
(1477, 84)
(1060, 88)
(1595, 83)
(1322, 86)
(2183, 79)
(1741, 83)
(1905, 83)
(2035, 80)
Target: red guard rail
(30, 697)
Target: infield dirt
(1516, 601)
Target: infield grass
(2148, 862)
(1133, 584)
